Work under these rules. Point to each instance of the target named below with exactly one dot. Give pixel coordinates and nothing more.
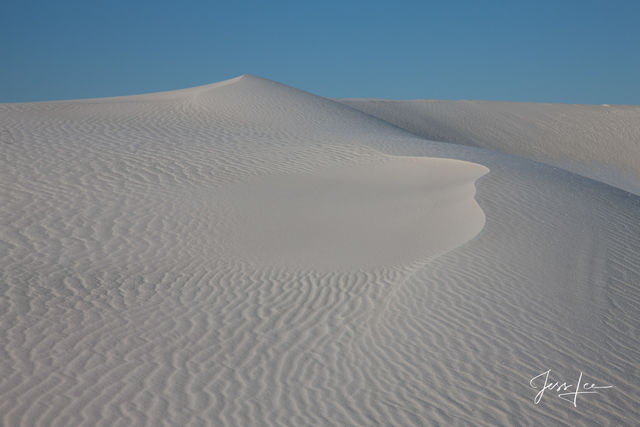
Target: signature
(568, 392)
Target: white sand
(598, 141)
(246, 253)
(372, 215)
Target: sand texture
(246, 253)
(601, 142)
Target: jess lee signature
(568, 392)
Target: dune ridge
(130, 295)
(597, 141)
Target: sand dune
(597, 141)
(246, 253)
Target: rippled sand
(245, 253)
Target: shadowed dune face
(366, 216)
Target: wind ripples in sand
(131, 296)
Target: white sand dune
(245, 253)
(597, 141)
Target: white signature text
(564, 391)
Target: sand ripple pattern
(120, 304)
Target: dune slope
(597, 141)
(245, 253)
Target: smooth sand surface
(372, 215)
(598, 141)
(245, 253)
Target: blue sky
(540, 51)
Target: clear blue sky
(580, 51)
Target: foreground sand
(245, 253)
